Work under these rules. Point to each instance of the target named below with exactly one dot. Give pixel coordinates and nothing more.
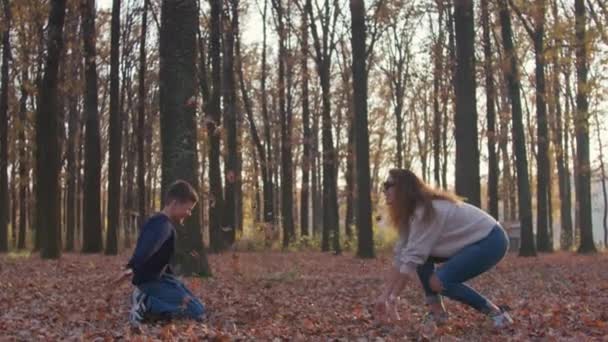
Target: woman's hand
(385, 309)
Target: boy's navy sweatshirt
(154, 250)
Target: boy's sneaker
(502, 319)
(138, 307)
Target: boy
(158, 293)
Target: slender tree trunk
(230, 119)
(602, 179)
(178, 88)
(350, 175)
(286, 135)
(257, 205)
(323, 60)
(48, 205)
(141, 118)
(317, 208)
(73, 133)
(239, 124)
(490, 112)
(4, 197)
(307, 154)
(560, 145)
(23, 162)
(437, 75)
(216, 201)
(542, 176)
(268, 187)
(467, 150)
(115, 129)
(581, 124)
(261, 152)
(14, 203)
(92, 239)
(519, 144)
(365, 248)
(568, 235)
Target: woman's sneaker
(138, 307)
(501, 320)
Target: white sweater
(455, 226)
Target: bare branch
(524, 20)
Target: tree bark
(48, 205)
(92, 238)
(490, 112)
(23, 160)
(307, 135)
(232, 177)
(467, 150)
(141, 118)
(214, 121)
(324, 46)
(365, 247)
(510, 69)
(178, 88)
(542, 177)
(581, 126)
(4, 197)
(114, 164)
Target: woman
(436, 226)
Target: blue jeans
(468, 263)
(169, 298)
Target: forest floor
(300, 296)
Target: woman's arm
(394, 284)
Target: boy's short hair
(181, 191)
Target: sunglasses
(387, 185)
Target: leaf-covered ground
(300, 296)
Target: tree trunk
(542, 177)
(254, 133)
(323, 60)
(141, 118)
(365, 248)
(602, 179)
(581, 126)
(115, 129)
(560, 147)
(232, 177)
(519, 144)
(4, 197)
(73, 134)
(491, 113)
(14, 203)
(178, 88)
(467, 151)
(286, 135)
(216, 200)
(317, 207)
(48, 205)
(350, 175)
(307, 154)
(92, 239)
(567, 237)
(267, 164)
(437, 75)
(23, 160)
